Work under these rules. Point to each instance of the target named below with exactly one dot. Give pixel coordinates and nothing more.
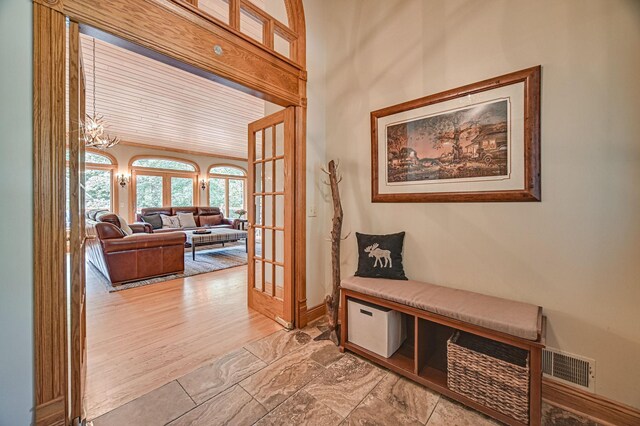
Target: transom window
(163, 182)
(95, 158)
(163, 163)
(265, 21)
(227, 170)
(227, 189)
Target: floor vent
(569, 368)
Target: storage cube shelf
(422, 356)
(381, 330)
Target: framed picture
(479, 142)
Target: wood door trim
(50, 314)
(189, 39)
(257, 299)
(75, 211)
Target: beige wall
(318, 221)
(124, 154)
(577, 252)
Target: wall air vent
(569, 368)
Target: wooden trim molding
(51, 413)
(316, 312)
(49, 149)
(53, 4)
(189, 39)
(181, 151)
(300, 216)
(594, 407)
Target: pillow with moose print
(380, 256)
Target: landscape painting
(475, 143)
(470, 144)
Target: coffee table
(216, 236)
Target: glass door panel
(268, 176)
(280, 139)
(148, 191)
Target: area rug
(207, 260)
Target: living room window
(163, 182)
(227, 188)
(99, 181)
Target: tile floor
(287, 378)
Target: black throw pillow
(380, 256)
(154, 220)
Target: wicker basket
(492, 373)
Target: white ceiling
(148, 102)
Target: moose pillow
(380, 256)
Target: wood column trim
(53, 4)
(300, 219)
(594, 407)
(48, 208)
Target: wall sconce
(203, 184)
(123, 179)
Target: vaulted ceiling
(151, 103)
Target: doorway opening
(183, 155)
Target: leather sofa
(198, 213)
(124, 258)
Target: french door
(270, 206)
(77, 233)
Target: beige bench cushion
(514, 318)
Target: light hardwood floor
(142, 338)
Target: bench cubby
(423, 355)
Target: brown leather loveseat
(123, 258)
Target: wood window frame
(166, 175)
(226, 178)
(112, 168)
(187, 39)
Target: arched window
(163, 182)
(164, 163)
(227, 188)
(99, 186)
(91, 157)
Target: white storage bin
(380, 330)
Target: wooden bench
(433, 313)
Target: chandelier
(95, 125)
